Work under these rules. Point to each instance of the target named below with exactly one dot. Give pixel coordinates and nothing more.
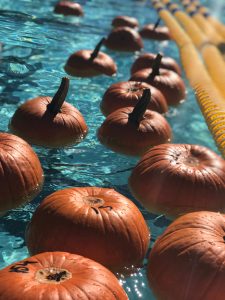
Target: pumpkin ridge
(8, 184)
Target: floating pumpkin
(174, 179)
(98, 223)
(128, 93)
(49, 122)
(133, 130)
(59, 275)
(68, 8)
(88, 63)
(21, 175)
(124, 39)
(146, 61)
(121, 21)
(155, 32)
(168, 82)
(187, 261)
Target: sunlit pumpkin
(124, 39)
(174, 179)
(168, 82)
(125, 21)
(88, 63)
(21, 175)
(49, 122)
(155, 32)
(128, 93)
(59, 276)
(95, 222)
(133, 130)
(68, 8)
(187, 261)
(146, 61)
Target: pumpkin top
(68, 8)
(125, 21)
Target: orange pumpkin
(61, 276)
(146, 61)
(124, 39)
(68, 8)
(187, 261)
(128, 93)
(155, 32)
(132, 131)
(168, 82)
(88, 63)
(98, 223)
(21, 175)
(121, 21)
(174, 179)
(49, 122)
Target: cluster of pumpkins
(100, 227)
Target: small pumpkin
(49, 122)
(128, 93)
(95, 222)
(155, 32)
(146, 61)
(168, 82)
(121, 21)
(133, 130)
(59, 275)
(21, 174)
(174, 179)
(187, 261)
(88, 63)
(68, 8)
(124, 39)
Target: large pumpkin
(174, 179)
(133, 130)
(21, 175)
(187, 261)
(49, 122)
(59, 276)
(128, 93)
(98, 223)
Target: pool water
(37, 44)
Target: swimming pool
(37, 44)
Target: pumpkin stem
(156, 24)
(57, 276)
(94, 54)
(139, 110)
(57, 101)
(155, 67)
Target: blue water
(36, 45)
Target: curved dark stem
(156, 23)
(56, 277)
(139, 110)
(155, 67)
(57, 101)
(94, 54)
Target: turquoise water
(36, 45)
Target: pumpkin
(68, 8)
(49, 122)
(88, 63)
(95, 222)
(168, 82)
(133, 130)
(187, 261)
(124, 39)
(155, 32)
(59, 275)
(121, 21)
(146, 61)
(21, 175)
(128, 93)
(174, 179)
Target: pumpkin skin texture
(21, 174)
(128, 93)
(160, 33)
(59, 276)
(98, 223)
(38, 124)
(121, 21)
(146, 61)
(187, 261)
(124, 39)
(68, 8)
(175, 179)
